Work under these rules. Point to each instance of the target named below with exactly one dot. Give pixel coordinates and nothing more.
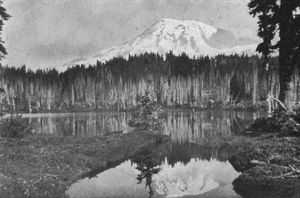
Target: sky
(47, 33)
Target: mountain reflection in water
(163, 171)
(209, 178)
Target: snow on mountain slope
(195, 178)
(191, 37)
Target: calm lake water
(198, 178)
(182, 126)
(188, 167)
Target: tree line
(174, 81)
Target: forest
(172, 81)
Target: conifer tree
(279, 16)
(3, 17)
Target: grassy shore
(44, 166)
(270, 167)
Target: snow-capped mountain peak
(184, 28)
(190, 37)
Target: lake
(198, 178)
(192, 165)
(181, 125)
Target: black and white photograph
(149, 98)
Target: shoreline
(45, 166)
(269, 166)
(111, 110)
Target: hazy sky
(52, 32)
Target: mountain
(191, 37)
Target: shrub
(296, 116)
(146, 115)
(14, 127)
(281, 121)
(2, 107)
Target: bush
(2, 106)
(281, 121)
(145, 117)
(14, 127)
(296, 116)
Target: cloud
(48, 32)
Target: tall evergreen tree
(3, 17)
(279, 16)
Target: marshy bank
(44, 166)
(270, 160)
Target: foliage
(296, 115)
(2, 105)
(148, 160)
(281, 121)
(279, 16)
(14, 127)
(3, 17)
(145, 117)
(267, 12)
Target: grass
(44, 166)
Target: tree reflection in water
(164, 170)
(148, 161)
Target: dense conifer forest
(173, 81)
